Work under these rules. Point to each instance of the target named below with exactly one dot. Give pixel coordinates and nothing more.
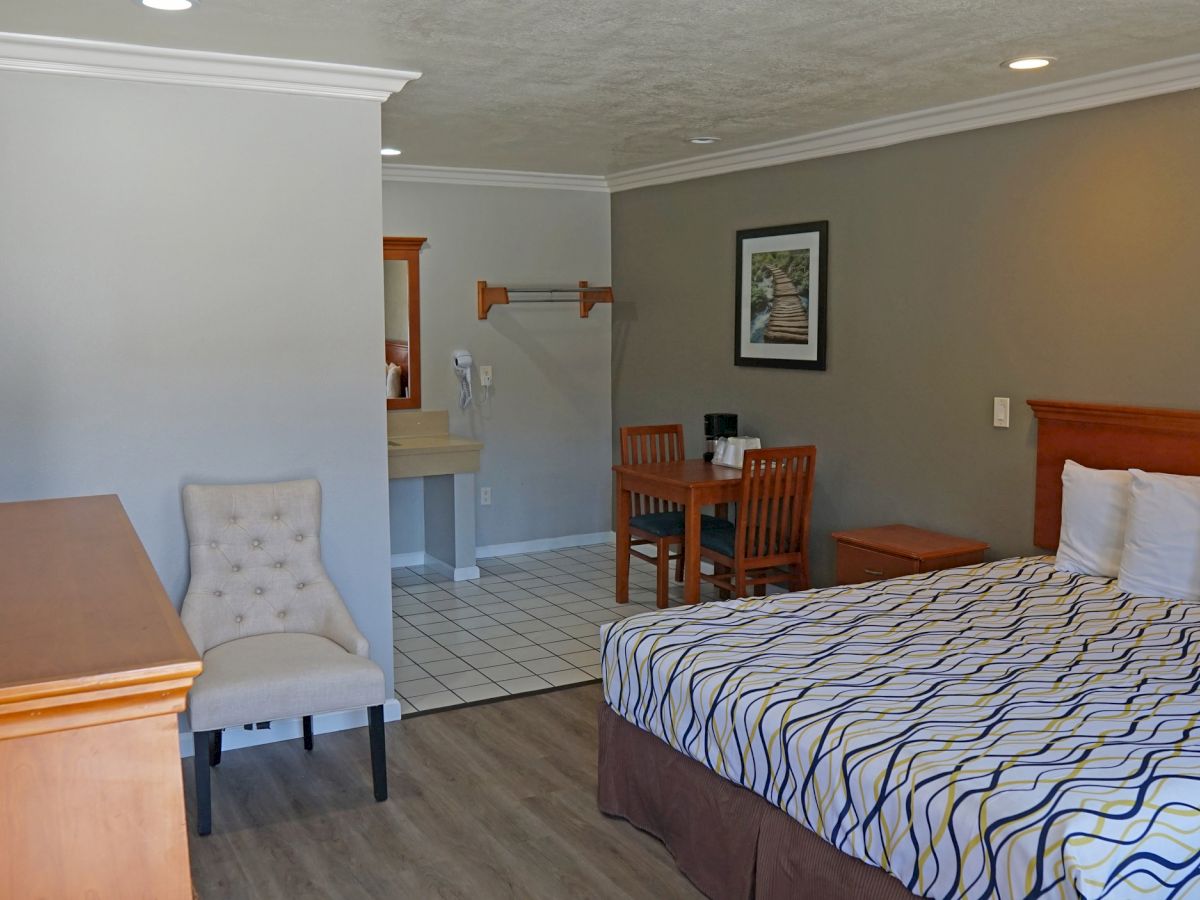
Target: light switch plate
(1000, 412)
(485, 376)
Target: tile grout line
(506, 582)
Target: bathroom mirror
(402, 320)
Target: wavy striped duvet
(998, 731)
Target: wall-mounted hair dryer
(462, 368)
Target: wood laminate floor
(486, 801)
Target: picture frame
(782, 296)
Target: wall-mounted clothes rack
(489, 295)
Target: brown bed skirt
(730, 842)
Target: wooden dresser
(94, 667)
(889, 551)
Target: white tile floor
(530, 623)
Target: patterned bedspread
(997, 731)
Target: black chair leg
(214, 748)
(378, 752)
(307, 721)
(203, 744)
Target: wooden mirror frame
(408, 249)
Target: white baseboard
(457, 573)
(463, 573)
(554, 543)
(287, 729)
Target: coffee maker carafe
(718, 425)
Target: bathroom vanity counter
(420, 444)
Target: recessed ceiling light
(389, 151)
(168, 5)
(1029, 62)
(703, 140)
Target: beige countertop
(427, 443)
(420, 444)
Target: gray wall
(1055, 258)
(546, 432)
(395, 299)
(406, 500)
(194, 294)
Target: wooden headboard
(1106, 437)
(397, 352)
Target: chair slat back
(773, 516)
(649, 444)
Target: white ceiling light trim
(1118, 86)
(494, 177)
(1028, 63)
(167, 5)
(133, 62)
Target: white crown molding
(132, 62)
(493, 177)
(1105, 89)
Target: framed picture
(782, 296)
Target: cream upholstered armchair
(277, 640)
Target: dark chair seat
(670, 524)
(719, 537)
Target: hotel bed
(999, 731)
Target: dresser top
(81, 608)
(909, 542)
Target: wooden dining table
(692, 483)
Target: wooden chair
(770, 537)
(656, 521)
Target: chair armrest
(340, 628)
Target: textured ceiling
(601, 87)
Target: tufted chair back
(256, 565)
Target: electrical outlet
(1000, 412)
(485, 496)
(485, 376)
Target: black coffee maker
(717, 425)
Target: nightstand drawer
(889, 551)
(855, 564)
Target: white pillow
(1162, 543)
(1095, 505)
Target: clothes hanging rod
(586, 296)
(542, 299)
(514, 290)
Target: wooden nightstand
(870, 554)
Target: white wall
(547, 433)
(191, 290)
